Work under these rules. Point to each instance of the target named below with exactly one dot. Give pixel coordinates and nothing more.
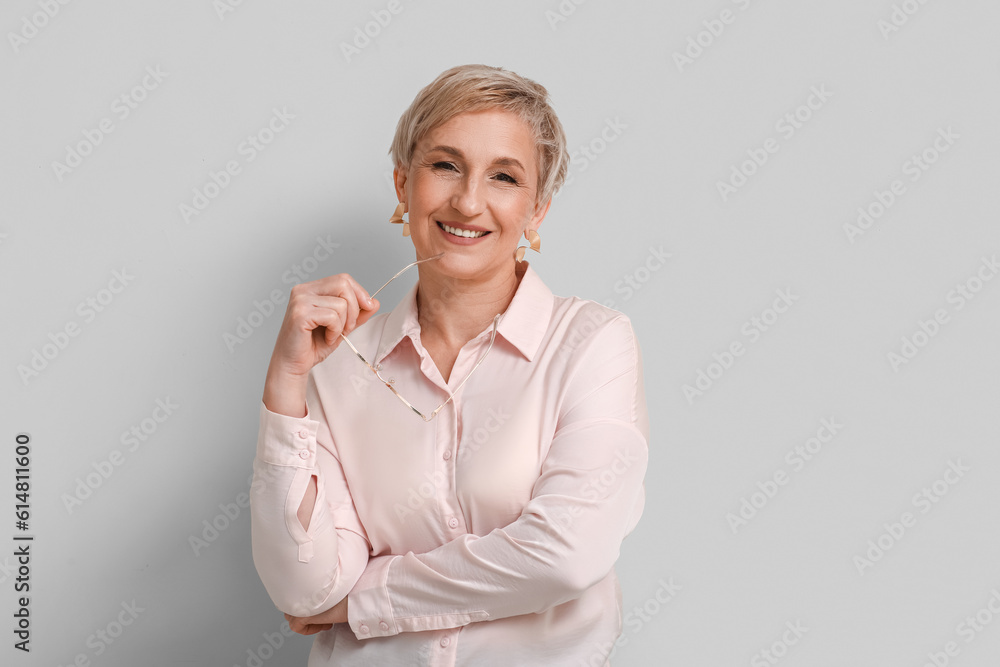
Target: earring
(534, 238)
(397, 217)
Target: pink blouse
(487, 536)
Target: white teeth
(461, 232)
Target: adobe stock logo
(899, 17)
(698, 43)
(915, 166)
(122, 107)
(249, 149)
(263, 310)
(30, 25)
(928, 329)
(924, 500)
(566, 8)
(778, 649)
(796, 457)
(634, 621)
(753, 328)
(103, 469)
(588, 153)
(787, 126)
(88, 310)
(968, 629)
(223, 7)
(381, 18)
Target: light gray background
(680, 131)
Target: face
(476, 172)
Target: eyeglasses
(388, 383)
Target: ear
(399, 174)
(538, 216)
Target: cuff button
(383, 625)
(363, 628)
(303, 453)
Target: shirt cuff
(286, 441)
(368, 610)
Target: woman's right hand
(317, 313)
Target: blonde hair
(481, 87)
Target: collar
(523, 324)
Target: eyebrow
(503, 161)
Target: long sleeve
(304, 571)
(588, 497)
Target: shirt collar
(523, 324)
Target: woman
(485, 531)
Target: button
(446, 455)
(303, 453)
(383, 625)
(453, 522)
(363, 628)
(445, 641)
(304, 434)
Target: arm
(588, 497)
(306, 566)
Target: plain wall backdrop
(795, 202)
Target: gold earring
(534, 238)
(397, 217)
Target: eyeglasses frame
(388, 383)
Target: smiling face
(470, 191)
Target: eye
(444, 165)
(507, 177)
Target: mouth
(464, 233)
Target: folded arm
(305, 571)
(588, 497)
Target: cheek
(514, 206)
(427, 183)
(517, 215)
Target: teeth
(461, 232)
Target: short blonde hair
(477, 88)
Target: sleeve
(304, 571)
(588, 497)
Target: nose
(468, 197)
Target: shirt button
(363, 628)
(304, 434)
(383, 625)
(453, 522)
(446, 455)
(445, 641)
(303, 453)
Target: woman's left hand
(310, 625)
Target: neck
(455, 310)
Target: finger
(299, 625)
(327, 304)
(339, 305)
(314, 628)
(361, 295)
(366, 313)
(314, 317)
(345, 286)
